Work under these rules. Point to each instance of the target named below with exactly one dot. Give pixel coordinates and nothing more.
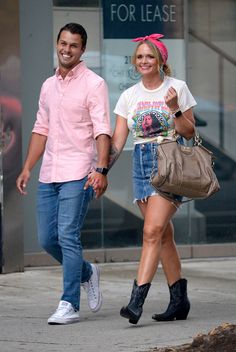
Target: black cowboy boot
(179, 305)
(134, 309)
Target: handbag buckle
(197, 139)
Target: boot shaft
(179, 305)
(178, 291)
(140, 294)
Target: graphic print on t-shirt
(151, 119)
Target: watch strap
(178, 113)
(102, 170)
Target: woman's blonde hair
(156, 53)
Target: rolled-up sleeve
(41, 125)
(121, 107)
(186, 100)
(99, 109)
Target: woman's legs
(179, 305)
(157, 212)
(154, 229)
(169, 255)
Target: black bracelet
(178, 113)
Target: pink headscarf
(154, 38)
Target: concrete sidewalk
(27, 299)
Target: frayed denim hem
(144, 200)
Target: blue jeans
(61, 209)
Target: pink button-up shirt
(72, 113)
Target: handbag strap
(197, 140)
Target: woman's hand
(184, 125)
(171, 99)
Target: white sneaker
(65, 314)
(94, 294)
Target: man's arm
(35, 151)
(98, 180)
(116, 146)
(103, 142)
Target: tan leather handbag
(185, 171)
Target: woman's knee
(153, 234)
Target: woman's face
(145, 61)
(147, 121)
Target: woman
(170, 101)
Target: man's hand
(98, 182)
(22, 181)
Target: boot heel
(125, 313)
(182, 315)
(179, 305)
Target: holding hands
(98, 182)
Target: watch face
(178, 113)
(102, 170)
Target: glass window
(212, 79)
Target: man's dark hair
(75, 28)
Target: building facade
(201, 38)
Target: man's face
(69, 50)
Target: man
(72, 132)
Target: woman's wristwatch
(178, 113)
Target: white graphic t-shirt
(146, 112)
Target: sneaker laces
(90, 290)
(63, 309)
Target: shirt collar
(77, 70)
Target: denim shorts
(144, 163)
